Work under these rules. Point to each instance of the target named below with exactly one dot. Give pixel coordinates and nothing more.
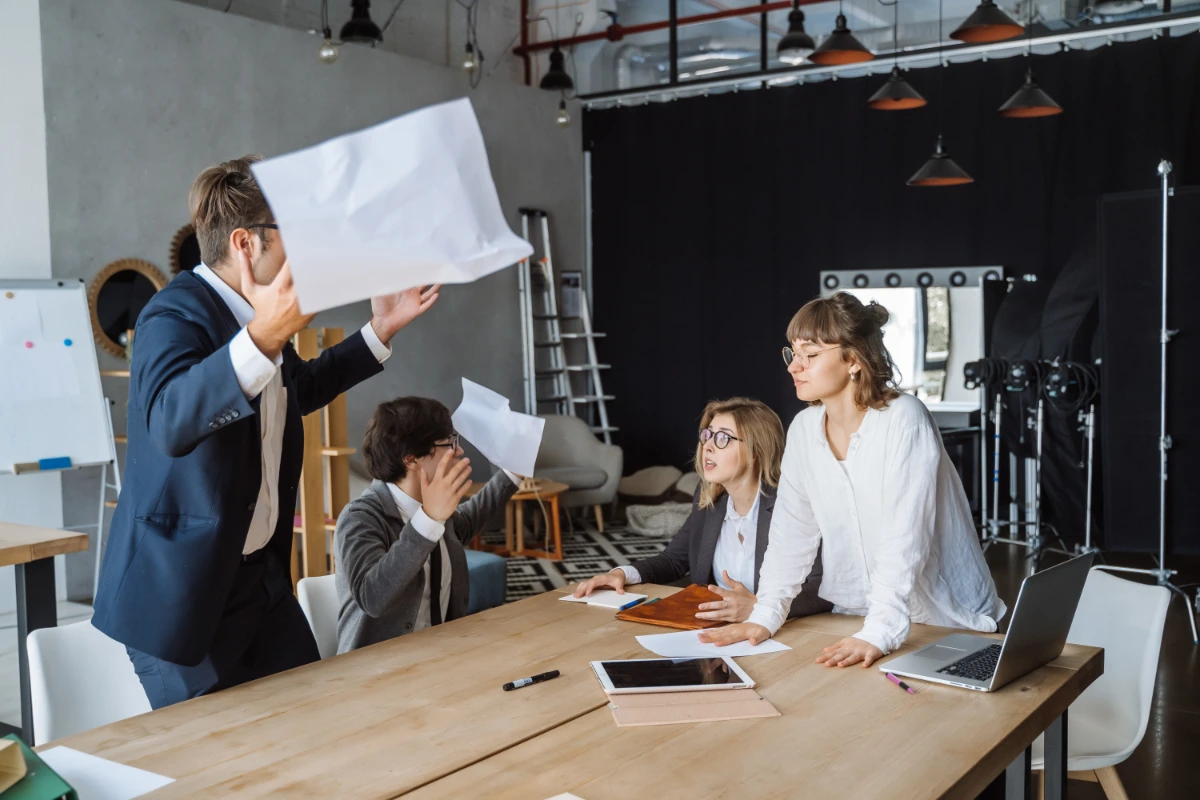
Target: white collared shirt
(412, 512)
(256, 374)
(894, 524)
(732, 555)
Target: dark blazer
(193, 470)
(381, 559)
(692, 549)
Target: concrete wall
(25, 234)
(141, 95)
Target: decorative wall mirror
(117, 296)
(185, 250)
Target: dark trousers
(263, 631)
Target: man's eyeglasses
(452, 444)
(268, 225)
(720, 438)
(806, 358)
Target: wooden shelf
(338, 451)
(110, 503)
(329, 526)
(114, 373)
(121, 439)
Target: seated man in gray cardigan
(400, 560)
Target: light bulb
(469, 63)
(563, 119)
(328, 52)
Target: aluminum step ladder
(547, 372)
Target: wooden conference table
(31, 551)
(425, 714)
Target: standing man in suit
(196, 580)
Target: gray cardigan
(380, 561)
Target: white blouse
(899, 542)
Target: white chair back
(1126, 619)
(80, 679)
(318, 600)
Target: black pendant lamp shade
(557, 79)
(940, 170)
(840, 47)
(796, 45)
(896, 94)
(1030, 101)
(361, 29)
(987, 24)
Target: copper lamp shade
(987, 24)
(1030, 101)
(896, 94)
(840, 47)
(940, 170)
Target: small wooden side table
(547, 492)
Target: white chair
(318, 600)
(80, 679)
(1106, 723)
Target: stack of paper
(606, 598)
(687, 644)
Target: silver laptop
(1038, 630)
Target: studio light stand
(1161, 574)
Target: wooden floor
(1165, 766)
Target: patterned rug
(586, 552)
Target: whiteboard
(51, 401)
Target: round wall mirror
(116, 298)
(185, 250)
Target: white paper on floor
(406, 203)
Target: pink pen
(900, 683)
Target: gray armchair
(572, 454)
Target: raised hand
(441, 494)
(277, 315)
(392, 312)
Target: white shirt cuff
(516, 481)
(873, 639)
(631, 574)
(381, 351)
(768, 619)
(253, 369)
(427, 526)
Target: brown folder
(677, 611)
(670, 708)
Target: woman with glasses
(866, 480)
(723, 540)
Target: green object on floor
(40, 782)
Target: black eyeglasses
(720, 438)
(270, 225)
(452, 444)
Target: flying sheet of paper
(20, 319)
(606, 598)
(409, 202)
(687, 644)
(507, 438)
(95, 778)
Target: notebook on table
(677, 611)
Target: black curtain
(712, 217)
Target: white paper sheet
(606, 598)
(43, 372)
(566, 796)
(20, 319)
(95, 778)
(687, 644)
(406, 203)
(507, 438)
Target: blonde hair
(843, 320)
(760, 439)
(224, 198)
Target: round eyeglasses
(720, 438)
(805, 357)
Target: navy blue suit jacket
(193, 469)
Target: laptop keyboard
(979, 666)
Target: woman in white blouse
(865, 477)
(723, 541)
